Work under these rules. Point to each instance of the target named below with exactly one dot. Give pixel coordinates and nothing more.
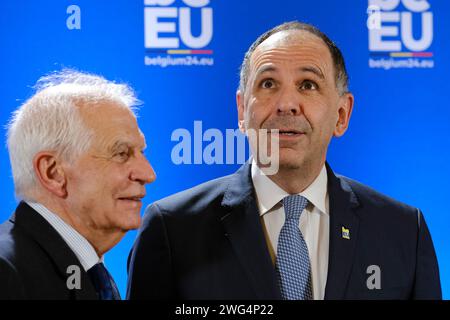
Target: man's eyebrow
(310, 69)
(118, 144)
(313, 70)
(122, 143)
(265, 69)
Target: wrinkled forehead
(292, 45)
(110, 119)
(104, 112)
(288, 38)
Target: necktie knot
(103, 282)
(294, 206)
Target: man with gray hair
(79, 172)
(302, 232)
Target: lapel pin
(345, 233)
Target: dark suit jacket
(208, 243)
(34, 260)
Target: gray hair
(50, 120)
(341, 76)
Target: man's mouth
(133, 198)
(289, 132)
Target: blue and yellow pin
(345, 233)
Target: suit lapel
(243, 228)
(343, 202)
(56, 248)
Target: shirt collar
(268, 193)
(80, 246)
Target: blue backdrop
(398, 138)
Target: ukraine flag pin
(345, 233)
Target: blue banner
(183, 58)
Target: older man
(301, 232)
(78, 166)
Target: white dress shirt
(82, 249)
(314, 221)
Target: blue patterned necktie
(293, 267)
(103, 283)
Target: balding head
(282, 33)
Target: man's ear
(240, 109)
(50, 173)
(345, 111)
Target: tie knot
(99, 275)
(294, 206)
(103, 282)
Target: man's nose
(289, 102)
(143, 171)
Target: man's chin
(133, 222)
(290, 162)
(289, 166)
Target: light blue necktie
(292, 265)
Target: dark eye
(267, 84)
(122, 156)
(308, 85)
